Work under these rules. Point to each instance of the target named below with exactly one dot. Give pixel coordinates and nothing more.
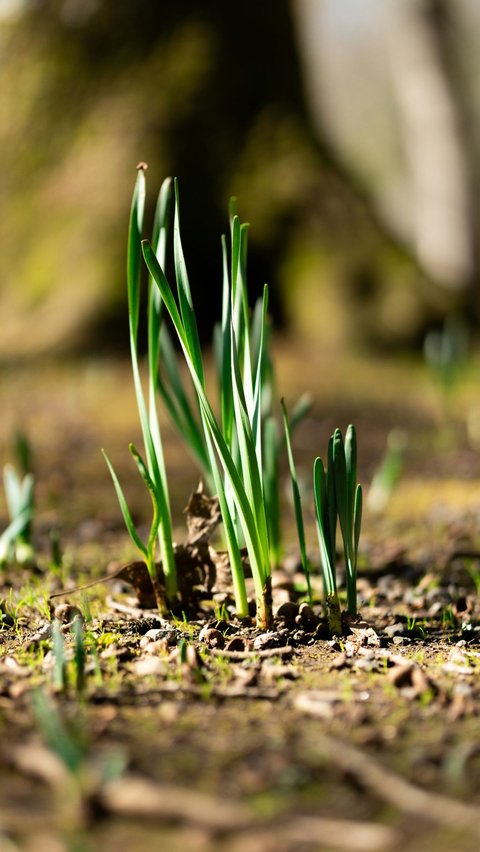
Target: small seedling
(235, 446)
(297, 501)
(338, 497)
(15, 541)
(388, 473)
(446, 351)
(153, 470)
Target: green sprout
(338, 497)
(235, 445)
(387, 475)
(15, 541)
(253, 338)
(297, 501)
(152, 470)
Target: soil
(202, 732)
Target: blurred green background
(349, 132)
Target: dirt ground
(205, 733)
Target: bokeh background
(349, 131)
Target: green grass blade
(13, 491)
(250, 467)
(351, 463)
(331, 504)
(159, 508)
(148, 418)
(342, 490)
(182, 412)
(124, 508)
(62, 743)
(257, 557)
(302, 407)
(225, 354)
(271, 487)
(14, 530)
(231, 537)
(236, 295)
(324, 533)
(358, 516)
(134, 255)
(159, 242)
(184, 295)
(258, 387)
(297, 502)
(245, 348)
(143, 470)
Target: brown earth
(215, 738)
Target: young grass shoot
(238, 448)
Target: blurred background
(349, 131)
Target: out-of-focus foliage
(212, 94)
(394, 87)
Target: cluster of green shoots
(237, 449)
(15, 540)
(338, 498)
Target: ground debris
(401, 794)
(134, 796)
(412, 680)
(284, 651)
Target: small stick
(403, 795)
(285, 651)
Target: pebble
(235, 644)
(308, 619)
(156, 634)
(65, 613)
(300, 637)
(212, 638)
(149, 666)
(322, 631)
(288, 612)
(396, 629)
(157, 647)
(271, 639)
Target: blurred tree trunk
(436, 141)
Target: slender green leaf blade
(297, 502)
(134, 253)
(257, 559)
(124, 508)
(358, 517)
(321, 508)
(184, 293)
(15, 529)
(13, 491)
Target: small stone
(300, 637)
(149, 666)
(212, 638)
(284, 633)
(157, 647)
(156, 635)
(309, 620)
(322, 631)
(401, 675)
(271, 639)
(65, 613)
(235, 644)
(288, 612)
(396, 629)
